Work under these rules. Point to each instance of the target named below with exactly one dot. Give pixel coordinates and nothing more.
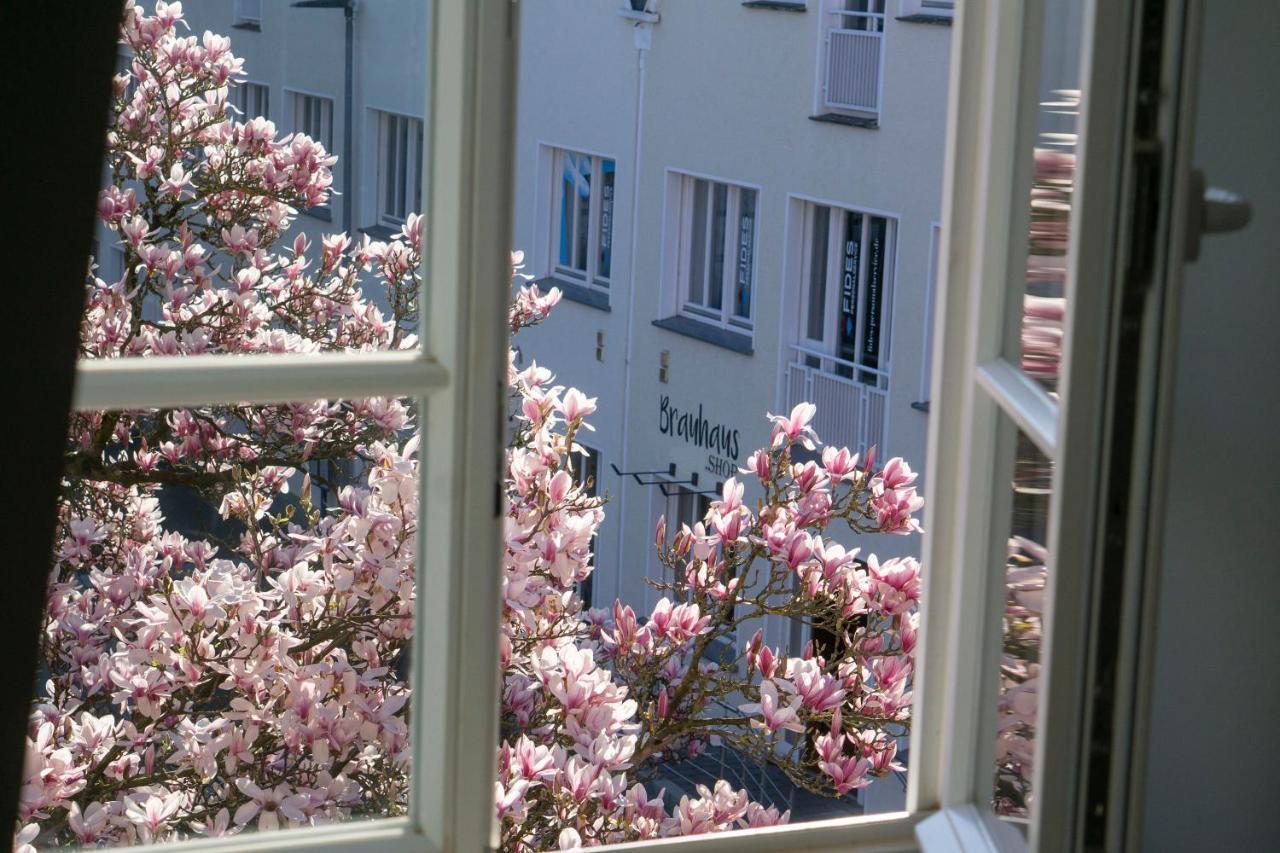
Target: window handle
(1213, 210)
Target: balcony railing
(853, 63)
(852, 400)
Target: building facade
(296, 70)
(740, 202)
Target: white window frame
(591, 276)
(458, 376)
(247, 12)
(680, 187)
(241, 100)
(383, 121)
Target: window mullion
(455, 658)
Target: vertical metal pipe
(348, 118)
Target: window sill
(324, 214)
(776, 5)
(940, 20)
(847, 121)
(251, 26)
(577, 292)
(921, 406)
(714, 335)
(380, 232)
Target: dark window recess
(848, 121)
(940, 20)
(380, 232)
(714, 335)
(575, 292)
(775, 5)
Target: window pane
(873, 313)
(226, 643)
(816, 322)
(745, 243)
(698, 245)
(1025, 574)
(567, 182)
(850, 293)
(210, 254)
(719, 216)
(684, 382)
(582, 212)
(1043, 304)
(604, 264)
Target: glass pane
(226, 643)
(698, 245)
(227, 220)
(850, 292)
(1043, 306)
(719, 217)
(745, 238)
(582, 212)
(1025, 574)
(604, 265)
(873, 316)
(568, 173)
(746, 246)
(818, 251)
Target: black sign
(696, 429)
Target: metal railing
(852, 400)
(854, 62)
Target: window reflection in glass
(1025, 573)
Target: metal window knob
(1213, 210)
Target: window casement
(399, 169)
(253, 100)
(582, 217)
(852, 57)
(456, 374)
(841, 353)
(247, 13)
(715, 253)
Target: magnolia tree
(200, 683)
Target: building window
(716, 252)
(313, 115)
(399, 178)
(588, 477)
(252, 100)
(842, 349)
(853, 56)
(582, 229)
(248, 13)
